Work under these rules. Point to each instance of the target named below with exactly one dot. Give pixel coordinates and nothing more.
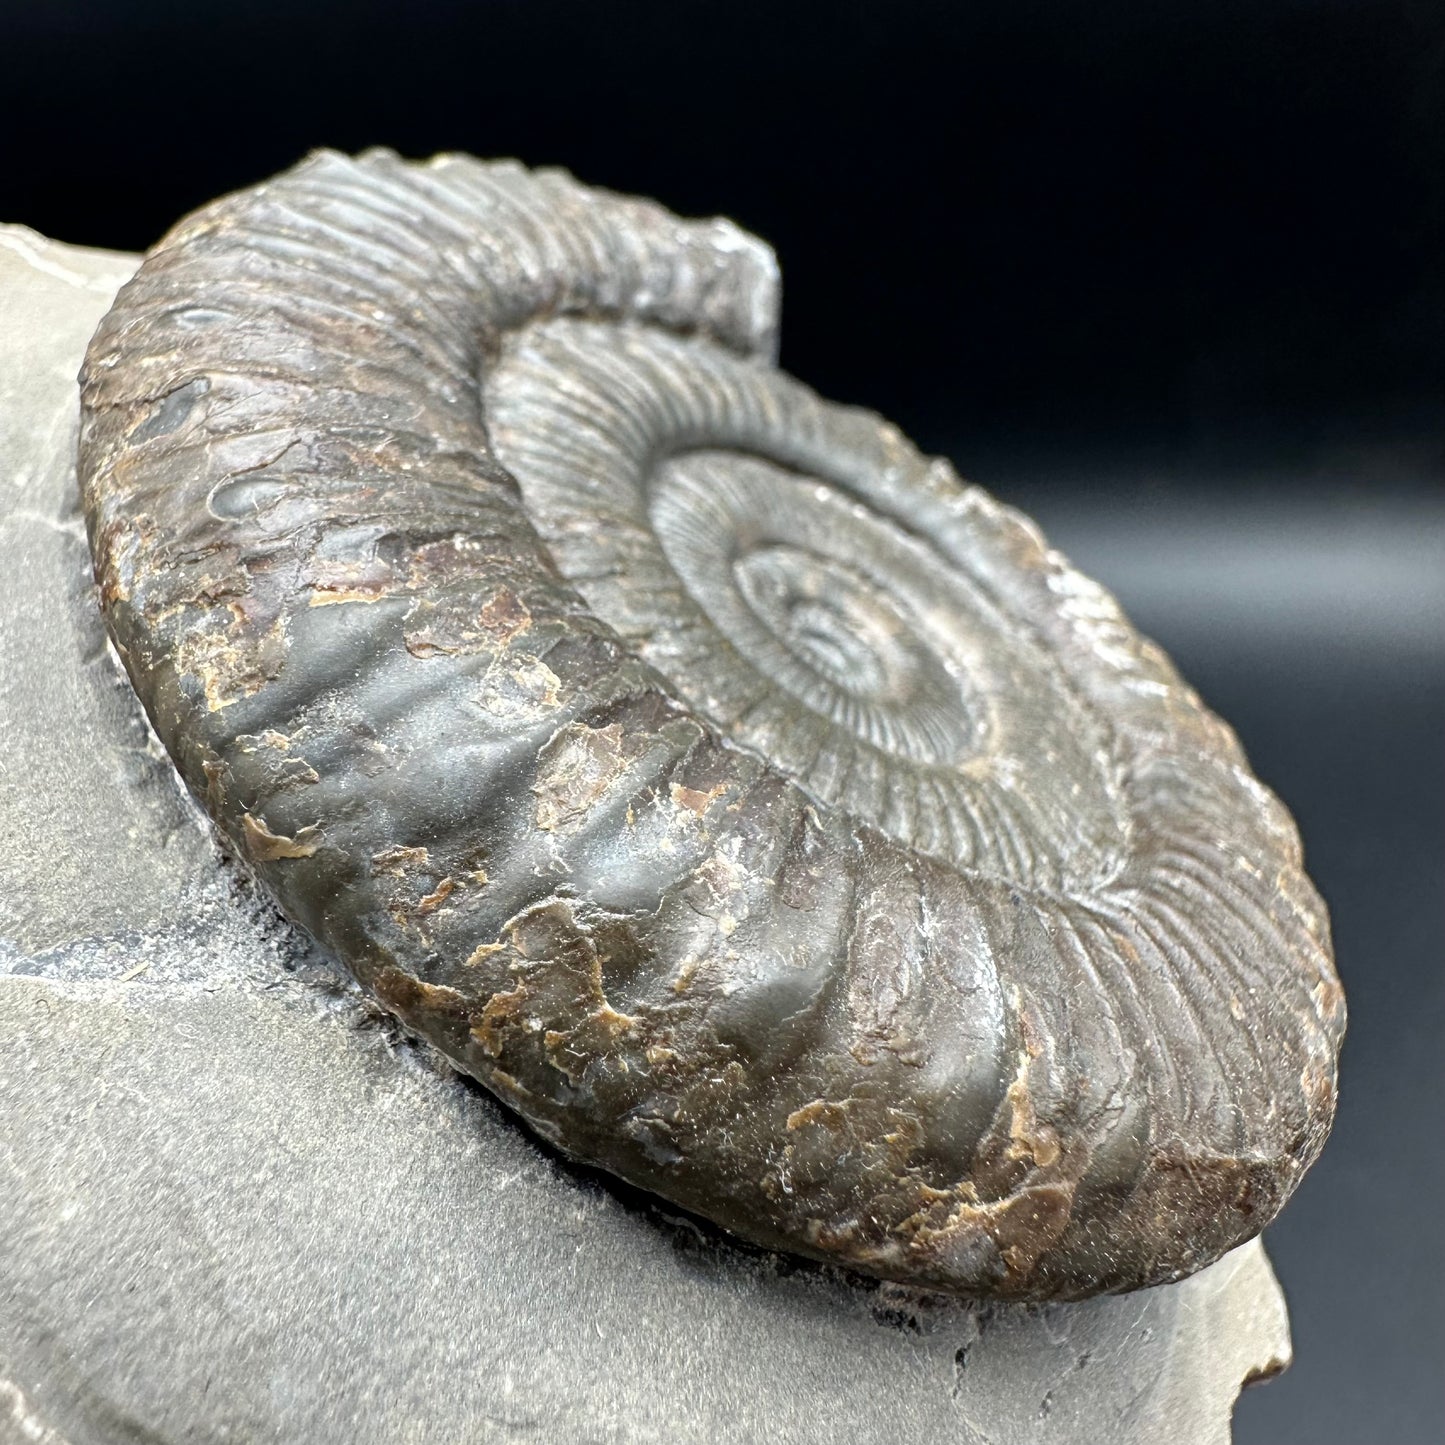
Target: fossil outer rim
(990, 1061)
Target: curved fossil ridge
(766, 816)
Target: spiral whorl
(767, 816)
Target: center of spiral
(821, 598)
(830, 616)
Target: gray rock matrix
(239, 1206)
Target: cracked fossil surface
(767, 816)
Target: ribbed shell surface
(765, 815)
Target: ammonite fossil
(766, 816)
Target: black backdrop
(1170, 275)
(1191, 230)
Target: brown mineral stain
(686, 971)
(232, 666)
(821, 1111)
(215, 772)
(333, 580)
(695, 800)
(428, 643)
(505, 616)
(1329, 998)
(398, 860)
(1029, 1139)
(613, 1023)
(251, 742)
(1027, 1225)
(576, 770)
(298, 770)
(265, 846)
(437, 896)
(413, 998)
(502, 1010)
(523, 683)
(329, 597)
(1318, 1087)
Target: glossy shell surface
(767, 816)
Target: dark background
(1169, 275)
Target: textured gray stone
(239, 1206)
(82, 739)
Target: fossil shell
(765, 815)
